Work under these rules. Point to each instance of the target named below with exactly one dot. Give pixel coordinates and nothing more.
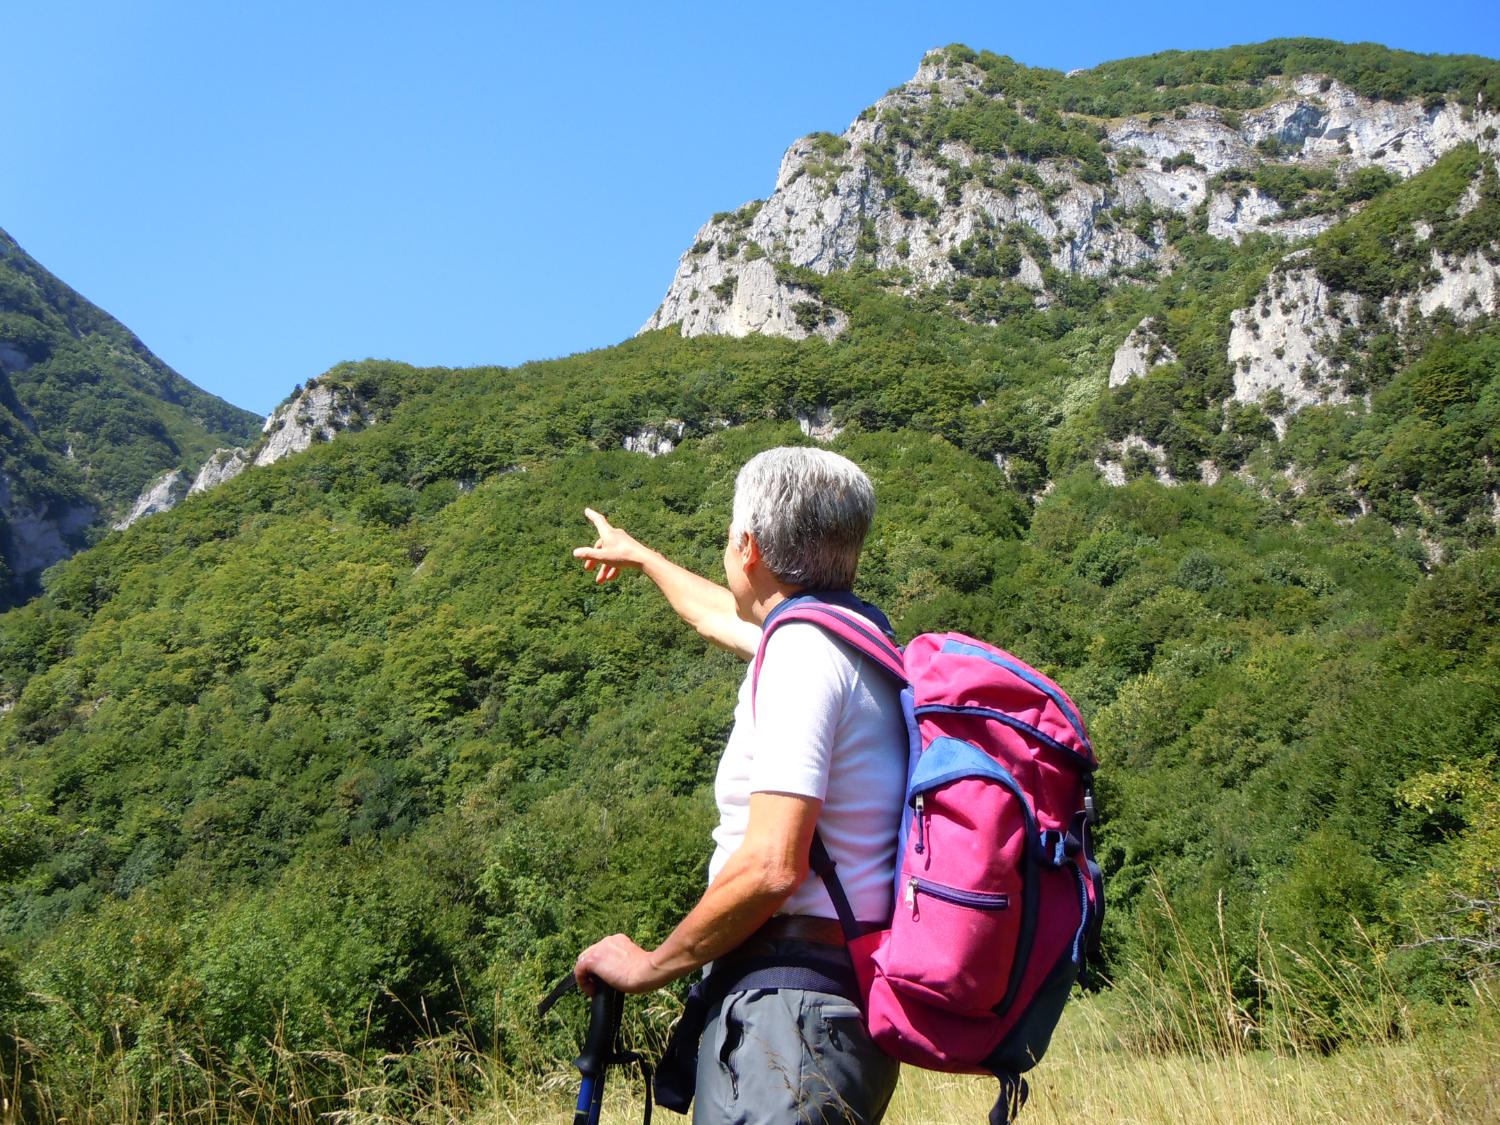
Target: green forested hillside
(353, 731)
(90, 415)
(348, 750)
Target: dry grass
(1089, 1075)
(1442, 1077)
(1447, 1077)
(1129, 1055)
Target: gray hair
(809, 511)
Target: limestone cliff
(1334, 319)
(655, 441)
(1143, 350)
(161, 495)
(891, 191)
(317, 413)
(222, 465)
(1302, 341)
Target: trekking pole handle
(604, 1025)
(605, 1011)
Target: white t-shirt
(827, 724)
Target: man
(819, 742)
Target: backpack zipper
(1081, 761)
(977, 900)
(921, 834)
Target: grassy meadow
(1092, 1073)
(1109, 1061)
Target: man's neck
(775, 593)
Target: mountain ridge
(985, 189)
(952, 159)
(95, 413)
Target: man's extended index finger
(601, 525)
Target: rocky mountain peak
(956, 182)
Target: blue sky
(261, 190)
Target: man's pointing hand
(613, 551)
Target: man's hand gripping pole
(601, 1047)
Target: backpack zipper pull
(911, 895)
(921, 839)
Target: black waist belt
(815, 972)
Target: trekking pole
(598, 1045)
(600, 1048)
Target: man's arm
(706, 606)
(758, 877)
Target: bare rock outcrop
(1133, 449)
(161, 495)
(37, 538)
(318, 413)
(818, 424)
(738, 298)
(1466, 286)
(656, 441)
(917, 209)
(1234, 214)
(1135, 453)
(1142, 350)
(1282, 342)
(1287, 343)
(222, 465)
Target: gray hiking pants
(790, 1056)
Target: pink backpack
(997, 898)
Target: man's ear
(750, 552)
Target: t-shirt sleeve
(798, 703)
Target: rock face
(1232, 216)
(161, 495)
(818, 424)
(1467, 287)
(1308, 339)
(872, 194)
(654, 441)
(1133, 449)
(222, 465)
(1142, 350)
(1119, 457)
(37, 539)
(316, 414)
(1401, 137)
(1287, 344)
(1282, 342)
(731, 298)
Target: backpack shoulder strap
(844, 626)
(838, 623)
